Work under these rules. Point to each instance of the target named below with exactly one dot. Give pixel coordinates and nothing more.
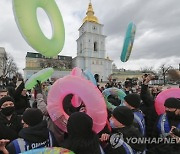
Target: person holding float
(170, 118)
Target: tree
(9, 67)
(164, 71)
(147, 70)
(174, 74)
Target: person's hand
(174, 136)
(148, 78)
(104, 137)
(38, 88)
(3, 143)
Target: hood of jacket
(38, 133)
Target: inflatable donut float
(128, 42)
(89, 94)
(53, 150)
(26, 19)
(115, 92)
(161, 98)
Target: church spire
(90, 14)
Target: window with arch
(80, 47)
(95, 46)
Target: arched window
(81, 48)
(95, 46)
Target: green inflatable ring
(128, 42)
(26, 19)
(115, 92)
(41, 76)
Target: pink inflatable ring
(89, 94)
(161, 97)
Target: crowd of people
(133, 127)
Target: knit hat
(32, 116)
(133, 99)
(6, 99)
(172, 103)
(124, 115)
(80, 125)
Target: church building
(91, 51)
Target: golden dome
(90, 15)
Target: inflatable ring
(114, 92)
(128, 42)
(49, 150)
(89, 94)
(161, 98)
(90, 76)
(76, 101)
(26, 19)
(41, 76)
(76, 71)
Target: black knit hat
(80, 125)
(32, 116)
(172, 103)
(133, 99)
(124, 115)
(5, 99)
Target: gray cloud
(156, 41)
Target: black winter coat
(127, 132)
(34, 137)
(21, 102)
(9, 129)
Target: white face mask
(112, 123)
(123, 104)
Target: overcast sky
(157, 39)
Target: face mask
(171, 115)
(112, 123)
(8, 110)
(123, 104)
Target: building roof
(38, 55)
(90, 15)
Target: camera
(176, 131)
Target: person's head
(121, 117)
(132, 101)
(79, 125)
(81, 137)
(172, 107)
(3, 93)
(7, 105)
(32, 117)
(24, 92)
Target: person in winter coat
(132, 101)
(41, 100)
(34, 134)
(164, 129)
(81, 138)
(21, 99)
(170, 118)
(147, 106)
(122, 131)
(10, 122)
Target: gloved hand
(38, 88)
